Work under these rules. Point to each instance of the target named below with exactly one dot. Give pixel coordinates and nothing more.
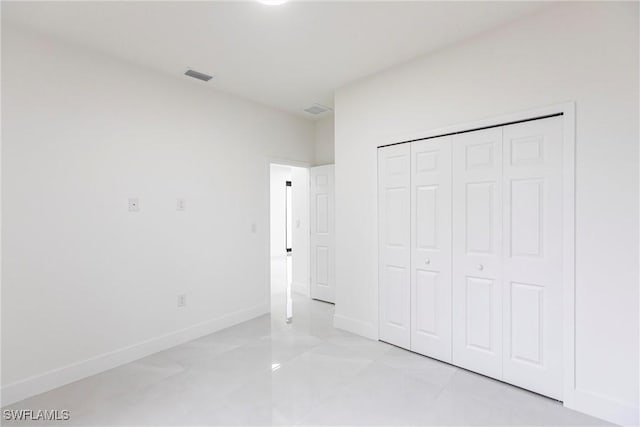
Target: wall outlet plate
(134, 205)
(182, 300)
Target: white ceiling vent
(316, 109)
(198, 75)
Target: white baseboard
(300, 288)
(355, 326)
(604, 407)
(55, 378)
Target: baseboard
(55, 378)
(300, 288)
(355, 326)
(604, 407)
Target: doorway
(289, 237)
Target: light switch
(180, 204)
(253, 228)
(134, 205)
(182, 300)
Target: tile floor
(266, 371)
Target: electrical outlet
(182, 300)
(254, 228)
(134, 205)
(181, 204)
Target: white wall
(82, 277)
(324, 141)
(585, 52)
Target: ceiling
(288, 56)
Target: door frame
(267, 213)
(568, 111)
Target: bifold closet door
(477, 251)
(394, 201)
(532, 262)
(431, 247)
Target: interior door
(431, 247)
(532, 269)
(477, 253)
(322, 233)
(394, 200)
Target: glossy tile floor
(266, 371)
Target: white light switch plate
(182, 300)
(181, 204)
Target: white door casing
(322, 229)
(431, 247)
(394, 200)
(532, 261)
(477, 251)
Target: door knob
(427, 261)
(480, 267)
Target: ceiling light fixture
(273, 2)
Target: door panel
(322, 233)
(426, 297)
(532, 289)
(431, 247)
(394, 201)
(477, 254)
(322, 266)
(526, 322)
(426, 212)
(322, 213)
(479, 217)
(478, 314)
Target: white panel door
(477, 253)
(532, 262)
(394, 200)
(322, 231)
(431, 247)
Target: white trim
(568, 254)
(287, 162)
(376, 297)
(570, 394)
(58, 377)
(604, 407)
(355, 326)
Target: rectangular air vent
(198, 75)
(316, 109)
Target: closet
(470, 250)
